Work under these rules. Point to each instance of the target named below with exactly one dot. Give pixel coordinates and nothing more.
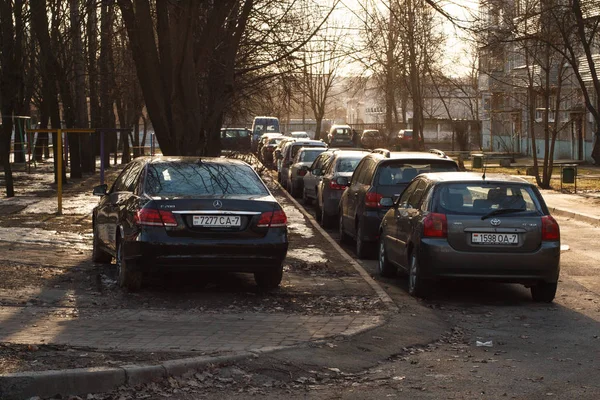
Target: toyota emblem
(217, 204)
(495, 222)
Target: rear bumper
(371, 222)
(298, 183)
(439, 260)
(247, 255)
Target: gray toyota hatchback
(459, 225)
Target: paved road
(538, 351)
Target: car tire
(305, 199)
(544, 292)
(99, 255)
(362, 248)
(128, 276)
(269, 280)
(386, 269)
(326, 219)
(294, 191)
(417, 286)
(344, 237)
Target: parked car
(459, 225)
(314, 174)
(329, 190)
(404, 139)
(268, 149)
(278, 154)
(300, 135)
(209, 214)
(303, 159)
(289, 152)
(235, 139)
(380, 176)
(264, 139)
(340, 136)
(262, 125)
(372, 139)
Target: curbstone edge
(22, 385)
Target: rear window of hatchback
(475, 198)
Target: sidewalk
(584, 208)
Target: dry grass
(588, 180)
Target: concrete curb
(24, 385)
(589, 219)
(385, 298)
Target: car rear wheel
(344, 238)
(326, 219)
(362, 248)
(544, 292)
(268, 280)
(305, 198)
(417, 286)
(99, 255)
(129, 276)
(386, 268)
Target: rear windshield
(298, 147)
(480, 198)
(275, 141)
(401, 172)
(408, 133)
(342, 131)
(347, 164)
(202, 179)
(310, 155)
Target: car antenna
(484, 167)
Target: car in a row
(417, 213)
(189, 213)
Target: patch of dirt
(19, 358)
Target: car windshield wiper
(502, 211)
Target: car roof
(474, 177)
(302, 142)
(410, 155)
(189, 160)
(235, 129)
(352, 153)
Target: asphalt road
(429, 349)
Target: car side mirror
(386, 202)
(342, 181)
(316, 171)
(100, 190)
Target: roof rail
(386, 153)
(438, 152)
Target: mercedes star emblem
(217, 204)
(495, 222)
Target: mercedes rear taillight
(550, 229)
(154, 217)
(435, 225)
(272, 219)
(372, 200)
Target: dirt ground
(45, 261)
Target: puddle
(45, 237)
(309, 256)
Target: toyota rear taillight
(301, 172)
(550, 229)
(154, 217)
(435, 225)
(272, 219)
(372, 200)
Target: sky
(457, 45)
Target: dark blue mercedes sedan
(209, 214)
